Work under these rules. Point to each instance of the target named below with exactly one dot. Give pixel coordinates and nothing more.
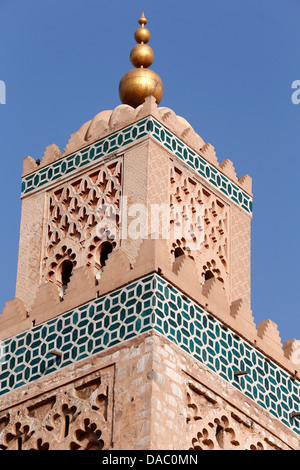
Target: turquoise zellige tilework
(77, 334)
(86, 156)
(146, 304)
(128, 135)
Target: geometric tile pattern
(201, 166)
(86, 330)
(120, 139)
(146, 304)
(207, 340)
(84, 157)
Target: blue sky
(227, 67)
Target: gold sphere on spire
(142, 35)
(142, 55)
(140, 82)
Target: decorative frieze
(150, 303)
(117, 141)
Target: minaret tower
(132, 327)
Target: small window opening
(220, 436)
(66, 272)
(67, 425)
(208, 275)
(105, 250)
(20, 443)
(178, 252)
(66, 269)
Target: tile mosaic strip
(77, 334)
(201, 166)
(86, 156)
(207, 340)
(149, 303)
(118, 140)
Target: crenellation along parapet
(109, 121)
(153, 257)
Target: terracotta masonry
(162, 378)
(144, 394)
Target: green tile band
(150, 303)
(115, 142)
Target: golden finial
(143, 20)
(142, 34)
(141, 82)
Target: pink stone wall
(30, 247)
(144, 394)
